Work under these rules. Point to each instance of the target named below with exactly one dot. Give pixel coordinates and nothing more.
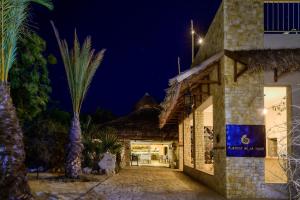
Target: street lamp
(200, 40)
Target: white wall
(281, 41)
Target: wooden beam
(208, 82)
(208, 86)
(235, 71)
(219, 73)
(240, 73)
(275, 75)
(201, 99)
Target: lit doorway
(151, 153)
(276, 118)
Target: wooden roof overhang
(280, 61)
(173, 105)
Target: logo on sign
(245, 139)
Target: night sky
(143, 40)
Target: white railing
(282, 17)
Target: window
(276, 116)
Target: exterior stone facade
(238, 25)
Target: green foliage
(109, 141)
(13, 14)
(30, 85)
(97, 142)
(45, 140)
(81, 64)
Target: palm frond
(46, 3)
(13, 14)
(80, 64)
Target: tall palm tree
(13, 181)
(81, 64)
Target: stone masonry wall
(243, 24)
(187, 141)
(180, 145)
(217, 180)
(214, 39)
(244, 101)
(199, 139)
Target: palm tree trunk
(75, 147)
(13, 180)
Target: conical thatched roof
(146, 101)
(143, 123)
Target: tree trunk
(13, 179)
(74, 150)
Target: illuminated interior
(275, 111)
(208, 139)
(151, 153)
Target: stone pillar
(244, 99)
(180, 146)
(127, 153)
(199, 138)
(187, 141)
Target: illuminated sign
(245, 141)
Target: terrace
(281, 24)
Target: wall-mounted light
(265, 111)
(188, 101)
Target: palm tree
(13, 181)
(80, 63)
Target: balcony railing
(282, 17)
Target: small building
(145, 143)
(234, 107)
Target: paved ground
(148, 183)
(137, 183)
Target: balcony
(281, 24)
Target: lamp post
(200, 41)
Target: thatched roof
(146, 101)
(284, 60)
(143, 123)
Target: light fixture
(188, 101)
(193, 32)
(200, 40)
(265, 111)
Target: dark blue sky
(142, 38)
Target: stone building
(144, 142)
(233, 107)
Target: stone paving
(136, 183)
(148, 183)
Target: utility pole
(178, 62)
(193, 40)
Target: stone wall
(187, 141)
(214, 39)
(243, 24)
(180, 144)
(244, 102)
(216, 179)
(238, 25)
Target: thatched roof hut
(143, 123)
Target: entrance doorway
(276, 122)
(151, 153)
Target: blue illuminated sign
(245, 141)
